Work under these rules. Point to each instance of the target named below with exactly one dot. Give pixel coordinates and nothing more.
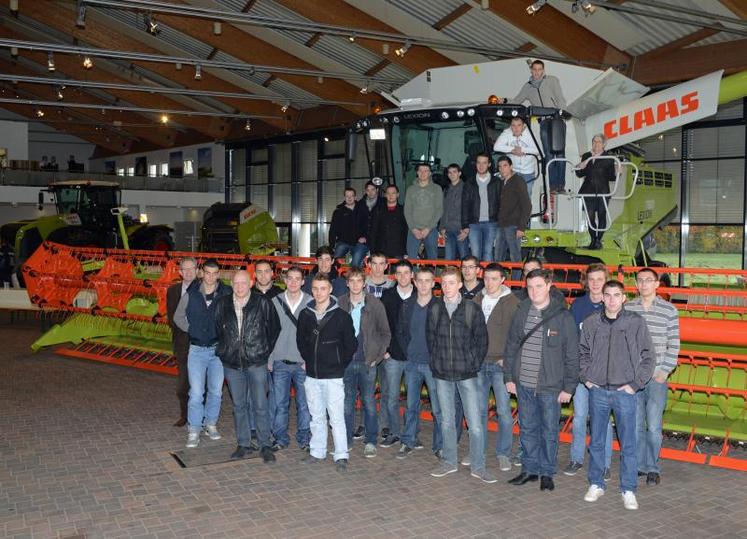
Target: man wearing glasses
(663, 323)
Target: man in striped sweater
(663, 324)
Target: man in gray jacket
(424, 205)
(373, 334)
(457, 244)
(617, 360)
(287, 365)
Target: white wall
(14, 136)
(162, 156)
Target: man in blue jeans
(663, 322)
(498, 306)
(457, 343)
(346, 232)
(617, 360)
(541, 369)
(287, 365)
(513, 219)
(424, 206)
(195, 315)
(584, 306)
(410, 338)
(480, 209)
(247, 328)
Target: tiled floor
(84, 452)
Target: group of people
(604, 355)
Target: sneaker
(268, 457)
(439, 454)
(212, 432)
(517, 460)
(653, 478)
(404, 450)
(385, 432)
(242, 452)
(629, 500)
(485, 476)
(389, 441)
(277, 446)
(254, 444)
(304, 447)
(358, 434)
(418, 444)
(572, 468)
(594, 493)
(193, 438)
(443, 469)
(607, 474)
(308, 459)
(504, 463)
(342, 465)
(465, 461)
(369, 451)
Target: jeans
(393, 371)
(529, 178)
(431, 245)
(469, 390)
(326, 396)
(270, 405)
(359, 376)
(384, 420)
(358, 251)
(455, 249)
(245, 385)
(580, 415)
(203, 365)
(283, 375)
(506, 239)
(651, 402)
(539, 416)
(491, 374)
(415, 375)
(623, 405)
(482, 239)
(557, 170)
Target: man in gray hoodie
(287, 365)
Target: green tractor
(89, 213)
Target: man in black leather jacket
(247, 327)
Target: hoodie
(326, 345)
(498, 322)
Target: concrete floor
(85, 452)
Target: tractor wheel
(156, 240)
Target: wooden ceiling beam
(526, 47)
(378, 67)
(682, 42)
(738, 7)
(447, 19)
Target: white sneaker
(212, 432)
(629, 500)
(193, 438)
(504, 463)
(594, 493)
(466, 461)
(369, 451)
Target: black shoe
(277, 446)
(359, 433)
(642, 474)
(385, 433)
(523, 478)
(180, 422)
(653, 478)
(304, 447)
(546, 483)
(240, 452)
(268, 457)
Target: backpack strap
(287, 310)
(537, 326)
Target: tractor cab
(88, 202)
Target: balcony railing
(42, 178)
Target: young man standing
(583, 307)
(498, 306)
(377, 280)
(457, 244)
(264, 277)
(345, 232)
(180, 339)
(195, 315)
(457, 343)
(287, 365)
(372, 331)
(395, 357)
(424, 205)
(326, 341)
(480, 200)
(663, 322)
(411, 337)
(517, 142)
(388, 226)
(617, 361)
(471, 282)
(516, 208)
(541, 369)
(325, 265)
(247, 329)
(365, 210)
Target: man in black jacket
(480, 199)
(247, 326)
(346, 232)
(326, 340)
(457, 342)
(541, 369)
(388, 226)
(516, 209)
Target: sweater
(499, 322)
(286, 348)
(515, 207)
(452, 217)
(545, 92)
(663, 322)
(424, 205)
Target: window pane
(714, 247)
(663, 146)
(307, 196)
(712, 142)
(258, 194)
(663, 244)
(307, 164)
(334, 191)
(716, 191)
(238, 167)
(333, 169)
(281, 196)
(281, 162)
(189, 167)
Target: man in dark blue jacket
(195, 315)
(347, 233)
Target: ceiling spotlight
(217, 28)
(87, 62)
(403, 49)
(178, 66)
(364, 89)
(534, 8)
(285, 106)
(320, 80)
(14, 52)
(59, 94)
(385, 48)
(80, 21)
(326, 139)
(164, 119)
(485, 5)
(248, 125)
(351, 38)
(13, 5)
(251, 71)
(151, 25)
(198, 72)
(588, 7)
(39, 113)
(50, 61)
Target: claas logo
(651, 116)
